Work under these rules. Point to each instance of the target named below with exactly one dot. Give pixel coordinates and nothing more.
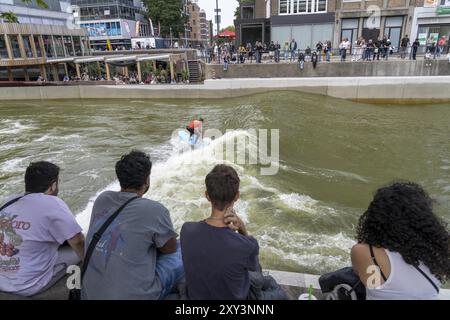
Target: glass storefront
(436, 32)
(77, 45)
(103, 29)
(3, 50)
(27, 46)
(306, 35)
(48, 44)
(37, 45)
(14, 40)
(59, 46)
(68, 46)
(393, 29)
(4, 76)
(350, 30)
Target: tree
(229, 28)
(11, 17)
(169, 13)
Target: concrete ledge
(294, 284)
(365, 89)
(391, 68)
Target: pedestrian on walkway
(415, 47)
(293, 48)
(404, 47)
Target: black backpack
(342, 284)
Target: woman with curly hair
(403, 247)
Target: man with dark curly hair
(138, 256)
(403, 247)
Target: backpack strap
(11, 202)
(428, 278)
(98, 235)
(372, 254)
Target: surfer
(195, 127)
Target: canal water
(334, 154)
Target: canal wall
(365, 89)
(393, 68)
(294, 284)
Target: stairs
(194, 71)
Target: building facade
(30, 50)
(198, 27)
(374, 19)
(431, 20)
(306, 21)
(58, 12)
(205, 28)
(112, 22)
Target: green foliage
(229, 28)
(40, 3)
(169, 13)
(11, 17)
(185, 75)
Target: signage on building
(430, 3)
(423, 38)
(443, 10)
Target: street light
(171, 45)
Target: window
(68, 46)
(393, 29)
(15, 46)
(3, 50)
(77, 46)
(350, 30)
(284, 6)
(27, 46)
(37, 45)
(302, 6)
(248, 12)
(59, 46)
(48, 45)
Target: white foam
(14, 127)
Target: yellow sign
(108, 45)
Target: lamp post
(217, 17)
(171, 45)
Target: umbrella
(227, 34)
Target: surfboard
(186, 137)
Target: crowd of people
(361, 50)
(132, 250)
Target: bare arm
(77, 244)
(169, 247)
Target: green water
(334, 154)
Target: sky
(228, 7)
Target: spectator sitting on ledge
(138, 256)
(217, 252)
(39, 236)
(403, 248)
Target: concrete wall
(348, 69)
(366, 89)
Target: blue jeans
(170, 270)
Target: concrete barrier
(293, 283)
(393, 68)
(365, 89)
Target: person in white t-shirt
(39, 236)
(403, 248)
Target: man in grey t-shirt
(138, 256)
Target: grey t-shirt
(123, 263)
